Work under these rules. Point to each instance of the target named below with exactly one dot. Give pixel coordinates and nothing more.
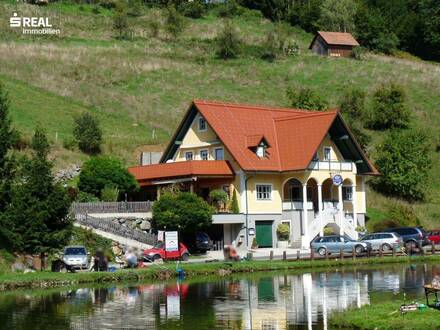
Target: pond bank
(385, 316)
(12, 281)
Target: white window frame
(187, 153)
(199, 120)
(346, 194)
(207, 154)
(215, 153)
(324, 154)
(257, 185)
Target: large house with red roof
(301, 168)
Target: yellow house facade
(303, 169)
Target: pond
(254, 301)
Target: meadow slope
(140, 88)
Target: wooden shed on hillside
(337, 44)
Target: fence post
(381, 251)
(312, 254)
(284, 255)
(297, 255)
(341, 253)
(432, 247)
(326, 254)
(394, 251)
(271, 255)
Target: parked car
(412, 236)
(197, 242)
(76, 257)
(434, 236)
(384, 241)
(334, 243)
(158, 252)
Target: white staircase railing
(331, 215)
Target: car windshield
(159, 245)
(75, 251)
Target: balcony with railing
(330, 166)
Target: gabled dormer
(258, 144)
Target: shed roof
(336, 38)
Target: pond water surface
(257, 301)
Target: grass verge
(48, 279)
(385, 316)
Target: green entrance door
(263, 230)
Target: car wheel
(359, 249)
(322, 251)
(156, 257)
(386, 247)
(184, 257)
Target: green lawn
(140, 88)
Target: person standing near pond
(131, 258)
(100, 263)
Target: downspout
(247, 211)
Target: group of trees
(33, 207)
(382, 25)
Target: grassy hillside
(140, 88)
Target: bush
(183, 211)
(328, 231)
(109, 194)
(84, 197)
(234, 203)
(88, 134)
(352, 103)
(174, 22)
(305, 98)
(283, 232)
(403, 159)
(398, 215)
(229, 9)
(101, 172)
(70, 143)
(359, 53)
(389, 109)
(228, 42)
(271, 47)
(153, 25)
(219, 197)
(120, 20)
(194, 9)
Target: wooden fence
(111, 207)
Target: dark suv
(412, 236)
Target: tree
(39, 206)
(228, 42)
(88, 134)
(174, 22)
(404, 159)
(234, 203)
(183, 211)
(101, 172)
(389, 109)
(305, 98)
(337, 15)
(120, 19)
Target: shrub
(404, 214)
(100, 172)
(362, 137)
(352, 103)
(88, 134)
(194, 9)
(174, 22)
(69, 143)
(228, 42)
(183, 211)
(234, 203)
(389, 109)
(109, 194)
(283, 232)
(305, 98)
(229, 9)
(153, 27)
(404, 158)
(328, 231)
(271, 47)
(358, 53)
(84, 197)
(120, 20)
(219, 197)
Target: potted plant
(219, 198)
(283, 234)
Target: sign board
(160, 235)
(337, 180)
(171, 241)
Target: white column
(305, 239)
(321, 220)
(354, 203)
(341, 210)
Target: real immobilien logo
(33, 25)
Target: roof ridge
(322, 113)
(254, 106)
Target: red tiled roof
(293, 135)
(162, 171)
(338, 38)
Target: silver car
(384, 241)
(334, 244)
(76, 257)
